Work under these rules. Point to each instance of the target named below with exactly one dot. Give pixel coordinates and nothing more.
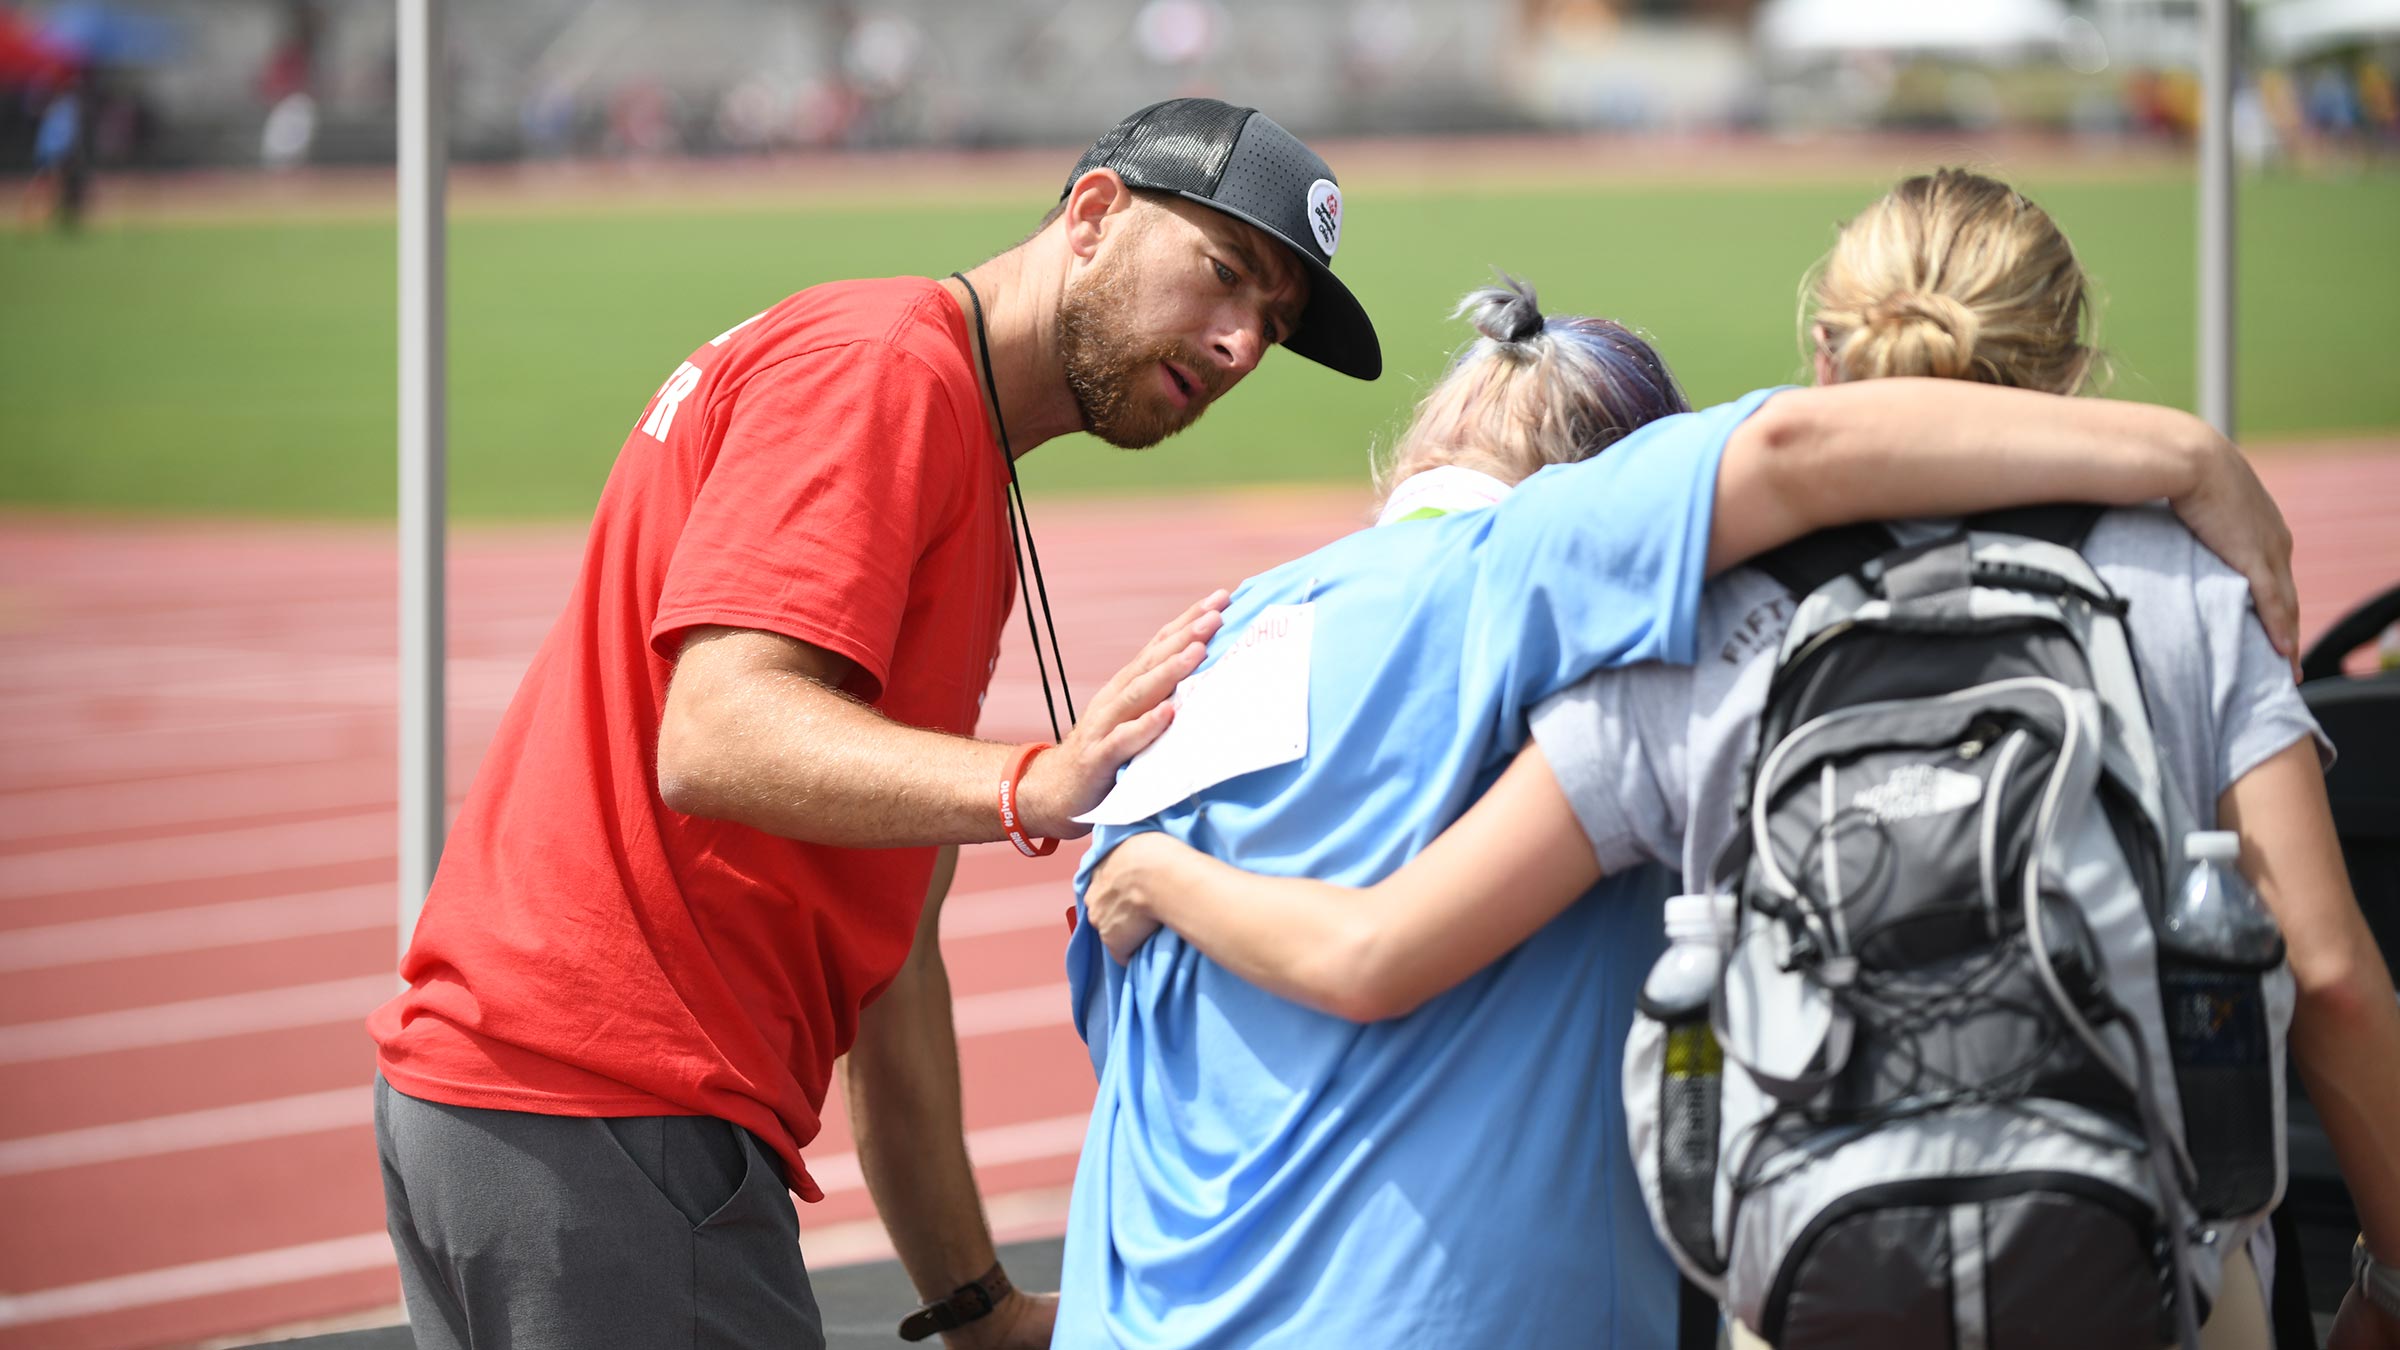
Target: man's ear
(1094, 204)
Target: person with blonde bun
(1952, 283)
(1959, 277)
(1257, 1172)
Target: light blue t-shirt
(1260, 1174)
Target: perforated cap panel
(1268, 179)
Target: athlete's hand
(2361, 1325)
(1022, 1322)
(1117, 902)
(1127, 714)
(2229, 510)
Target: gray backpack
(1938, 1097)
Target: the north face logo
(1916, 790)
(1325, 214)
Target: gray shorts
(524, 1232)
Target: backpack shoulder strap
(1696, 1319)
(2066, 524)
(1814, 559)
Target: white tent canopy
(1808, 28)
(2299, 28)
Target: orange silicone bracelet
(1009, 778)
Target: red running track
(196, 883)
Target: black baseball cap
(1240, 162)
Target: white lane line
(354, 909)
(254, 1270)
(1028, 1140)
(485, 685)
(308, 1113)
(1005, 1010)
(184, 801)
(363, 836)
(345, 1108)
(337, 1001)
(74, 671)
(193, 928)
(1025, 1141)
(1013, 1216)
(1011, 909)
(67, 752)
(358, 836)
(199, 1019)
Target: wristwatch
(965, 1304)
(2377, 1282)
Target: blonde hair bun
(1956, 276)
(1917, 333)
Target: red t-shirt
(823, 471)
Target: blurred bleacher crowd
(288, 82)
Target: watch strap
(967, 1303)
(2378, 1282)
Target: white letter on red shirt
(679, 384)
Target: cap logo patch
(1325, 214)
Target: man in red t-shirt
(704, 856)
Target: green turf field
(249, 368)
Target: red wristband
(1010, 820)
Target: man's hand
(2229, 510)
(1021, 1322)
(1115, 901)
(1128, 713)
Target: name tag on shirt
(1247, 712)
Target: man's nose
(1239, 345)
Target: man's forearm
(1891, 449)
(757, 730)
(905, 1113)
(794, 757)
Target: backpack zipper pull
(1979, 738)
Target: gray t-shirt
(1652, 757)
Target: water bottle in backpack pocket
(2219, 953)
(1673, 1066)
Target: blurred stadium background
(197, 421)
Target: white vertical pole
(2216, 213)
(424, 162)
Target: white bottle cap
(2213, 846)
(1700, 918)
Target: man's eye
(1224, 274)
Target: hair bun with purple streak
(1508, 312)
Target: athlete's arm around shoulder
(1894, 448)
(1485, 884)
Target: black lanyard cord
(1020, 535)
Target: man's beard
(1113, 373)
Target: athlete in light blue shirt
(1239, 1173)
(1262, 1173)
